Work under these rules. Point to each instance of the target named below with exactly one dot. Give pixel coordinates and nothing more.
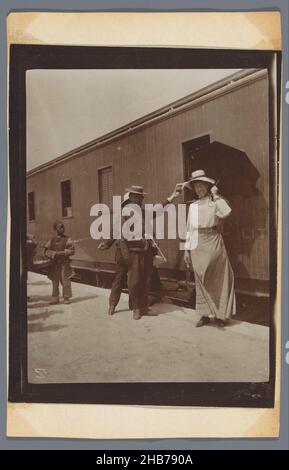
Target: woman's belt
(207, 229)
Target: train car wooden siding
(152, 152)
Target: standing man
(134, 195)
(120, 277)
(59, 249)
(134, 257)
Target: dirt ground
(81, 343)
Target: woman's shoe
(203, 321)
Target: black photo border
(27, 57)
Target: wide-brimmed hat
(136, 190)
(199, 175)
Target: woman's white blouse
(205, 213)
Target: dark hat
(136, 190)
(57, 222)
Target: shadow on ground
(38, 283)
(250, 309)
(253, 309)
(40, 327)
(81, 299)
(43, 315)
(44, 301)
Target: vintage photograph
(149, 245)
(194, 137)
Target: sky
(68, 108)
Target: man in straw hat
(135, 258)
(120, 277)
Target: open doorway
(189, 147)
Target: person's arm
(48, 253)
(69, 248)
(105, 245)
(223, 208)
(187, 257)
(176, 193)
(47, 245)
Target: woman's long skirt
(214, 277)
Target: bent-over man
(137, 255)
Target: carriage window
(31, 206)
(66, 198)
(105, 185)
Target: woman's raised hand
(177, 192)
(214, 190)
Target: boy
(59, 249)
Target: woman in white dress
(206, 253)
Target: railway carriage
(156, 152)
